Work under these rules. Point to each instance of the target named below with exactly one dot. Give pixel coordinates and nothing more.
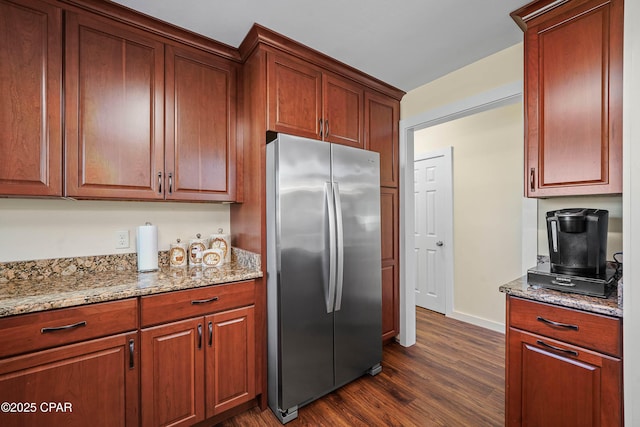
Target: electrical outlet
(122, 239)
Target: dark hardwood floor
(453, 376)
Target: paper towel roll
(147, 247)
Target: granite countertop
(45, 292)
(520, 288)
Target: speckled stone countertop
(608, 306)
(41, 291)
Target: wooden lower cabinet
(197, 368)
(390, 304)
(230, 361)
(89, 383)
(552, 382)
(172, 380)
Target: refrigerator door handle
(340, 246)
(330, 295)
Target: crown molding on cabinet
(262, 36)
(161, 28)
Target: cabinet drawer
(178, 305)
(590, 330)
(29, 332)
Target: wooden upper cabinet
(343, 106)
(30, 84)
(573, 98)
(307, 101)
(381, 118)
(114, 93)
(200, 125)
(139, 126)
(294, 96)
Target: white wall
(487, 205)
(496, 70)
(631, 218)
(39, 229)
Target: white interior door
(433, 220)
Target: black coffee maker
(578, 241)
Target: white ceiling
(405, 43)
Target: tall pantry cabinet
(290, 88)
(382, 116)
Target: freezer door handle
(340, 246)
(331, 292)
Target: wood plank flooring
(453, 376)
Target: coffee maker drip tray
(600, 286)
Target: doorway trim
(501, 96)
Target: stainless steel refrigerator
(323, 269)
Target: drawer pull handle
(561, 350)
(204, 301)
(63, 328)
(557, 324)
(210, 334)
(131, 353)
(199, 336)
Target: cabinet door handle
(131, 353)
(561, 350)
(199, 336)
(321, 128)
(203, 301)
(159, 182)
(63, 328)
(326, 128)
(557, 324)
(170, 183)
(532, 180)
(210, 334)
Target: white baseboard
(478, 321)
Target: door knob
(439, 243)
